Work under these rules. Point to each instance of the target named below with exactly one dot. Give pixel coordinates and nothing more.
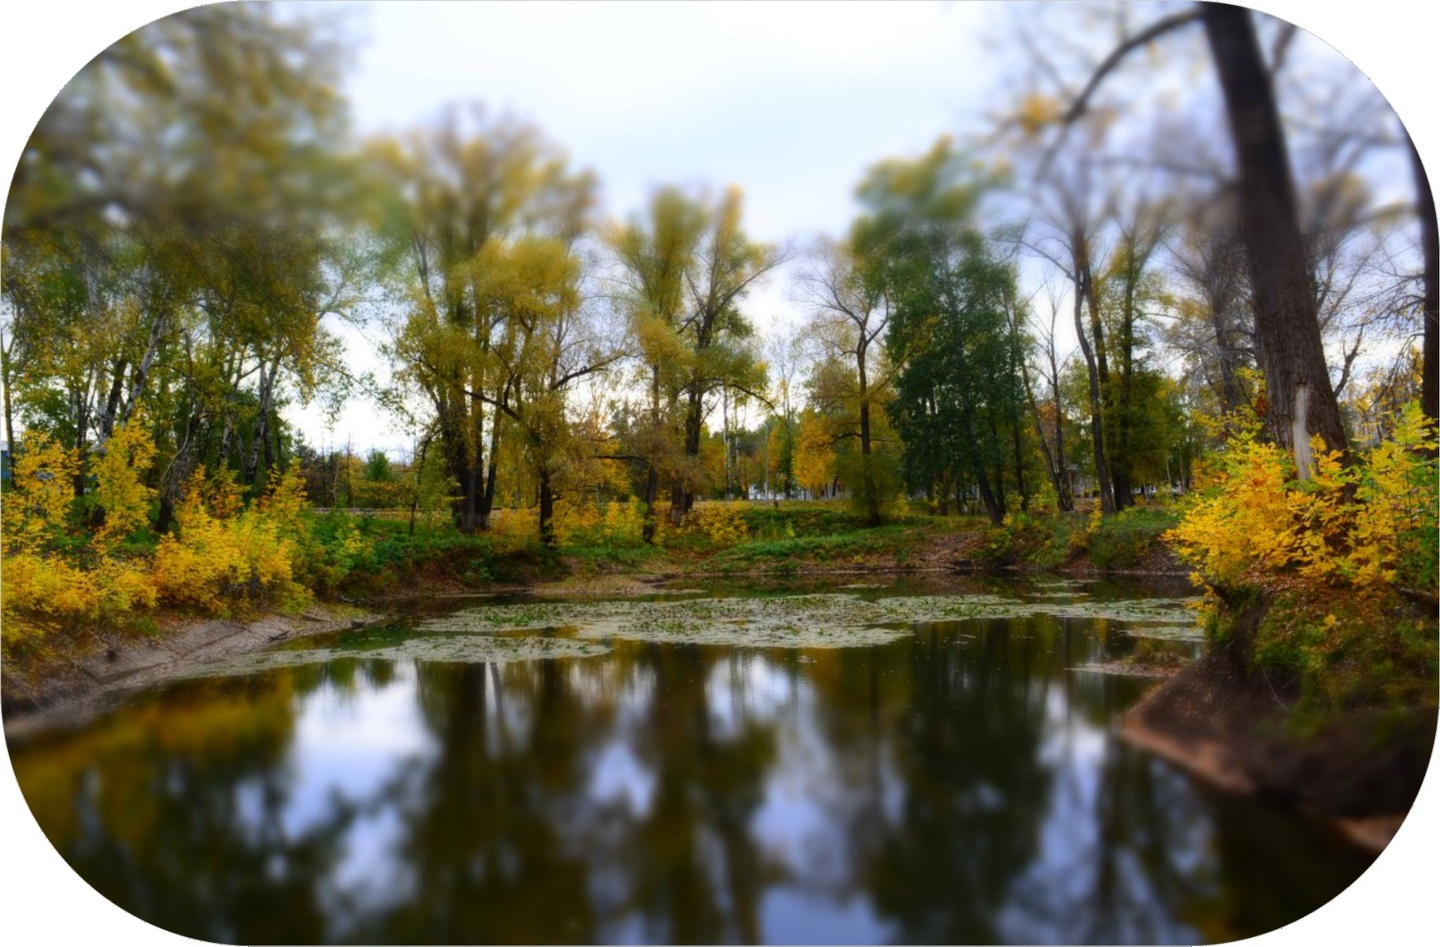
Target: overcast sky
(790, 102)
(790, 105)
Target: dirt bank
(65, 695)
(1231, 730)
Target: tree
(849, 317)
(785, 353)
(714, 331)
(687, 269)
(958, 393)
(1050, 415)
(170, 235)
(657, 255)
(1300, 398)
(531, 286)
(460, 193)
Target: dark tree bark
(547, 510)
(1430, 308)
(1097, 426)
(1300, 397)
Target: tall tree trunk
(1301, 401)
(652, 493)
(464, 467)
(112, 401)
(1430, 308)
(1097, 424)
(5, 386)
(1063, 488)
(82, 434)
(487, 495)
(1020, 467)
(1121, 420)
(867, 470)
(994, 506)
(251, 471)
(547, 509)
(684, 495)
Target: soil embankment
(88, 685)
(1231, 729)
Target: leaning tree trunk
(1430, 307)
(1297, 381)
(1097, 425)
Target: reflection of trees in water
(967, 755)
(961, 790)
(697, 872)
(483, 842)
(175, 812)
(503, 837)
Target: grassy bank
(1129, 541)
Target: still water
(856, 766)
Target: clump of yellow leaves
(50, 579)
(1369, 525)
(722, 523)
(66, 562)
(618, 523)
(218, 559)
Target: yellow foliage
(1254, 523)
(36, 513)
(1037, 112)
(722, 523)
(284, 502)
(619, 523)
(47, 587)
(515, 528)
(218, 560)
(625, 522)
(120, 488)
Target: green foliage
(1347, 653)
(958, 394)
(849, 549)
(1027, 539)
(1128, 538)
(875, 482)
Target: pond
(851, 765)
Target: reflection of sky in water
(792, 796)
(1055, 899)
(619, 776)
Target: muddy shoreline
(1230, 732)
(100, 681)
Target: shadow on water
(958, 784)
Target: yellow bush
(215, 561)
(512, 529)
(723, 523)
(619, 523)
(120, 482)
(576, 522)
(625, 522)
(1255, 523)
(37, 513)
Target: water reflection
(957, 785)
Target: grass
(1124, 541)
(783, 539)
(855, 547)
